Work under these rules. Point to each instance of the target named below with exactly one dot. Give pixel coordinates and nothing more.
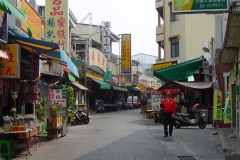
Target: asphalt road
(126, 135)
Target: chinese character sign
(97, 58)
(126, 53)
(217, 106)
(33, 20)
(10, 68)
(57, 22)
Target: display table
(20, 137)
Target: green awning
(103, 85)
(179, 71)
(78, 62)
(71, 78)
(7, 6)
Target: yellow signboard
(161, 65)
(10, 68)
(126, 53)
(57, 23)
(142, 86)
(33, 20)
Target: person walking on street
(144, 103)
(169, 110)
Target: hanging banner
(227, 114)
(217, 107)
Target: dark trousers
(167, 120)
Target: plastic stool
(44, 128)
(5, 144)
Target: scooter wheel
(86, 121)
(202, 124)
(176, 125)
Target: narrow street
(126, 135)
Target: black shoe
(165, 135)
(170, 135)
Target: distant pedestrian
(169, 110)
(143, 104)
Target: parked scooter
(195, 118)
(100, 106)
(81, 117)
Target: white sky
(136, 17)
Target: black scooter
(100, 107)
(195, 118)
(81, 117)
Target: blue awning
(48, 50)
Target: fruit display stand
(54, 122)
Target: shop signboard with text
(126, 53)
(199, 5)
(97, 58)
(10, 68)
(158, 66)
(57, 23)
(58, 94)
(34, 20)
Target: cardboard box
(184, 110)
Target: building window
(174, 47)
(173, 16)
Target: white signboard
(107, 24)
(156, 102)
(106, 49)
(106, 41)
(106, 33)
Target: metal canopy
(179, 71)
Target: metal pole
(87, 61)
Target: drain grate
(186, 158)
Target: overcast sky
(136, 17)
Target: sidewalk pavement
(230, 143)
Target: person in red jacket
(169, 110)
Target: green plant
(41, 109)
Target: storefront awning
(196, 85)
(103, 85)
(179, 71)
(79, 86)
(119, 88)
(7, 6)
(47, 50)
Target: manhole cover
(186, 158)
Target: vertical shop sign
(10, 68)
(106, 42)
(57, 22)
(34, 20)
(217, 110)
(126, 53)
